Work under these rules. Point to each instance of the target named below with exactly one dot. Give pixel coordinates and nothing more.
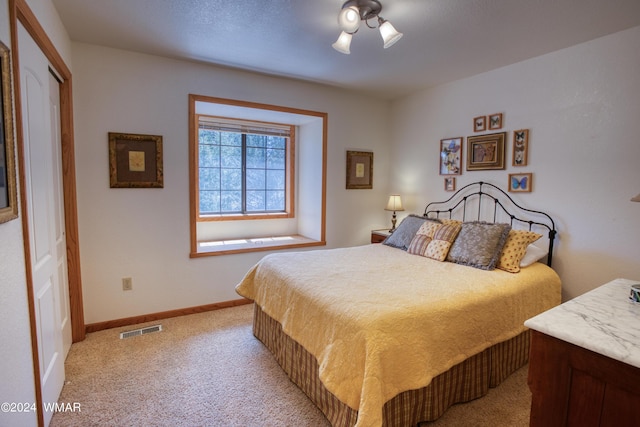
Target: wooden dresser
(584, 365)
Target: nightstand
(377, 236)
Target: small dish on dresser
(634, 293)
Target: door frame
(19, 11)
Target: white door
(43, 212)
(60, 235)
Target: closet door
(43, 194)
(59, 231)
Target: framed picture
(359, 170)
(8, 188)
(495, 121)
(135, 161)
(520, 182)
(485, 151)
(479, 123)
(451, 156)
(520, 147)
(450, 184)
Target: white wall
(16, 369)
(144, 233)
(582, 106)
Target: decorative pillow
(442, 241)
(423, 237)
(533, 254)
(434, 240)
(401, 237)
(479, 244)
(515, 248)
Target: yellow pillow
(514, 249)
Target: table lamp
(394, 204)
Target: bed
(395, 333)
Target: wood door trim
(19, 12)
(25, 16)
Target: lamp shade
(343, 43)
(349, 19)
(636, 199)
(389, 34)
(394, 203)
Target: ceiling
(444, 40)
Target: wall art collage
(486, 151)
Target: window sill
(244, 217)
(226, 247)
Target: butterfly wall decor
(495, 121)
(520, 182)
(479, 123)
(451, 156)
(520, 147)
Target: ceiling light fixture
(354, 11)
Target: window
(244, 169)
(257, 176)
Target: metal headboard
(498, 206)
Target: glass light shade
(389, 34)
(343, 43)
(636, 199)
(349, 19)
(394, 203)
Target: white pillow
(533, 254)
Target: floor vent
(141, 331)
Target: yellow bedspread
(381, 321)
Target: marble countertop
(603, 320)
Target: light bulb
(349, 19)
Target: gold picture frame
(8, 188)
(135, 161)
(359, 170)
(520, 182)
(486, 152)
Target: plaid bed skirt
(465, 381)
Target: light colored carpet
(208, 369)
